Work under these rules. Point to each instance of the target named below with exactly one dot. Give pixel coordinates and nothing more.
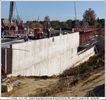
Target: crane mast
(11, 11)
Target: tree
(36, 25)
(55, 24)
(90, 17)
(47, 22)
(64, 25)
(100, 26)
(101, 21)
(73, 24)
(29, 23)
(33, 24)
(46, 18)
(69, 23)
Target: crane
(11, 10)
(13, 26)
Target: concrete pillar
(5, 60)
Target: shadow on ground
(98, 91)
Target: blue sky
(55, 10)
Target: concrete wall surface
(46, 56)
(85, 56)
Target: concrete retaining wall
(85, 56)
(46, 56)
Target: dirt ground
(83, 88)
(32, 86)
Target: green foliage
(55, 24)
(90, 17)
(101, 22)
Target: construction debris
(6, 87)
(8, 84)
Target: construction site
(49, 62)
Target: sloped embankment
(82, 75)
(83, 80)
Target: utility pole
(75, 14)
(38, 19)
